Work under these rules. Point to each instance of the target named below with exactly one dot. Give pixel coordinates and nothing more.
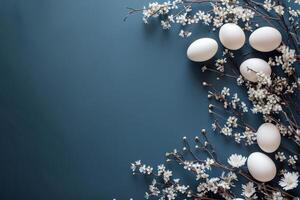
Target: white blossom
(292, 160)
(236, 160)
(165, 24)
(249, 190)
(232, 121)
(225, 91)
(279, 9)
(185, 34)
(289, 180)
(268, 5)
(226, 130)
(280, 156)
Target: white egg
(251, 66)
(261, 167)
(232, 36)
(265, 39)
(202, 49)
(268, 137)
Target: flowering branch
(273, 98)
(165, 186)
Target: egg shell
(202, 49)
(268, 137)
(232, 36)
(251, 66)
(265, 39)
(261, 167)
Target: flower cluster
(234, 125)
(271, 96)
(182, 13)
(260, 94)
(186, 12)
(285, 60)
(165, 186)
(290, 160)
(270, 99)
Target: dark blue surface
(82, 94)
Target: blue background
(82, 94)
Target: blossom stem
(221, 73)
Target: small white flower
(225, 91)
(167, 174)
(236, 160)
(226, 131)
(182, 188)
(277, 196)
(209, 162)
(135, 165)
(244, 107)
(249, 190)
(165, 24)
(280, 156)
(154, 191)
(160, 169)
(213, 126)
(249, 136)
(237, 137)
(232, 121)
(289, 180)
(268, 5)
(185, 34)
(279, 9)
(212, 185)
(240, 80)
(220, 64)
(170, 192)
(292, 160)
(182, 19)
